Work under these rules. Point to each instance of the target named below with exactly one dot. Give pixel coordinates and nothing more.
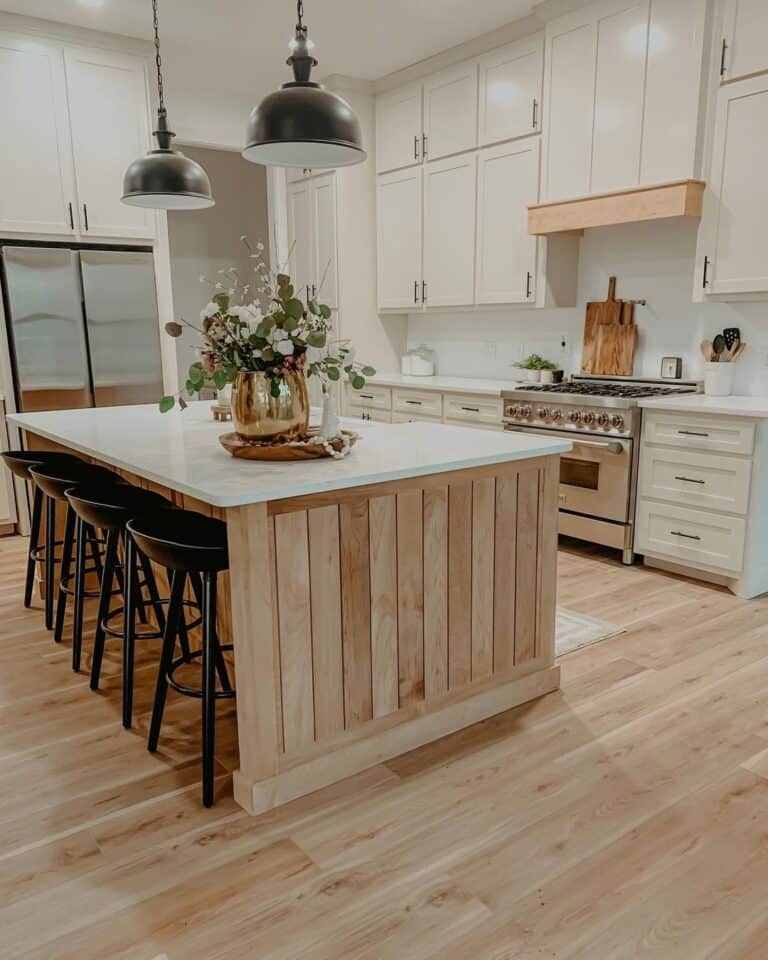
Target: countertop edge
(734, 406)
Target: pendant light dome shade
(302, 124)
(165, 179)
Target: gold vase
(257, 415)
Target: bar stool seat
(109, 509)
(19, 462)
(53, 480)
(189, 543)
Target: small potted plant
(550, 372)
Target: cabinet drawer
(692, 536)
(694, 432)
(696, 479)
(372, 414)
(424, 402)
(472, 409)
(370, 397)
(413, 418)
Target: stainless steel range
(598, 479)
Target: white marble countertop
(489, 388)
(698, 403)
(181, 451)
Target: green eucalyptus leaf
(316, 339)
(333, 373)
(264, 327)
(294, 309)
(368, 371)
(312, 307)
(220, 379)
(358, 382)
(325, 311)
(183, 403)
(167, 403)
(267, 354)
(283, 279)
(291, 323)
(222, 301)
(274, 387)
(189, 386)
(174, 329)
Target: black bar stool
(54, 480)
(109, 509)
(189, 543)
(19, 463)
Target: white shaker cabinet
(36, 160)
(450, 111)
(399, 239)
(399, 128)
(325, 288)
(507, 182)
(510, 91)
(449, 231)
(745, 38)
(300, 237)
(737, 258)
(109, 111)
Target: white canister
(534, 376)
(718, 379)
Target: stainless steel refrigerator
(82, 326)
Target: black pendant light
(302, 124)
(165, 179)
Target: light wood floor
(623, 817)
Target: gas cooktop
(606, 389)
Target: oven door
(595, 476)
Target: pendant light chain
(158, 60)
(300, 15)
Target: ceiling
(241, 45)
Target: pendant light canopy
(302, 124)
(165, 179)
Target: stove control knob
(542, 413)
(557, 415)
(513, 410)
(589, 418)
(603, 419)
(618, 421)
(575, 416)
(525, 410)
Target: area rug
(574, 630)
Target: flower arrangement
(275, 333)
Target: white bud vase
(330, 425)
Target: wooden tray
(277, 450)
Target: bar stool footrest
(117, 632)
(196, 691)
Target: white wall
(652, 261)
(202, 242)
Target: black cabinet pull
(414, 403)
(692, 433)
(471, 409)
(688, 536)
(424, 142)
(423, 291)
(415, 147)
(367, 396)
(690, 480)
(415, 291)
(722, 57)
(705, 281)
(71, 217)
(535, 108)
(85, 215)
(528, 279)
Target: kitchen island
(375, 603)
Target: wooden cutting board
(610, 336)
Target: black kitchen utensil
(731, 335)
(718, 345)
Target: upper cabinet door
(38, 193)
(399, 236)
(324, 225)
(507, 182)
(399, 128)
(109, 110)
(510, 91)
(745, 36)
(450, 111)
(622, 47)
(450, 188)
(569, 104)
(301, 246)
(740, 254)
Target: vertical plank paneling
(505, 556)
(526, 565)
(483, 517)
(382, 521)
(276, 630)
(435, 591)
(356, 611)
(410, 595)
(292, 555)
(325, 589)
(459, 584)
(549, 480)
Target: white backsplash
(652, 261)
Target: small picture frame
(671, 368)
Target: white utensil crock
(718, 379)
(533, 375)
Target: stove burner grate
(630, 390)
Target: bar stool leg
(178, 581)
(221, 663)
(209, 684)
(50, 559)
(77, 624)
(129, 630)
(154, 595)
(65, 570)
(34, 542)
(107, 579)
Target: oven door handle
(612, 446)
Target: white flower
(259, 246)
(257, 353)
(209, 311)
(219, 286)
(203, 278)
(284, 347)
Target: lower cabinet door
(449, 231)
(690, 536)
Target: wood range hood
(680, 198)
